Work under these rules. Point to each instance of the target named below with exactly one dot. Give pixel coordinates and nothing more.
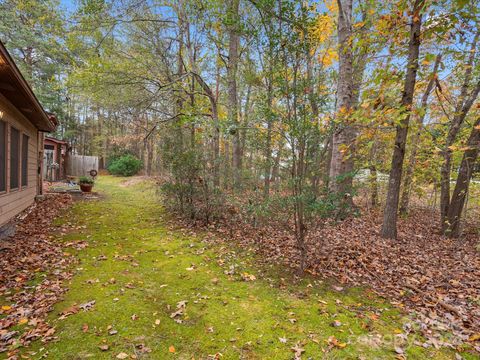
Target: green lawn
(139, 272)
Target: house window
(24, 160)
(14, 157)
(3, 156)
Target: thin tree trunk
(317, 154)
(268, 144)
(149, 156)
(272, 55)
(447, 155)
(192, 54)
(227, 167)
(300, 229)
(216, 125)
(464, 104)
(463, 181)
(233, 57)
(373, 179)
(328, 160)
(311, 93)
(245, 118)
(180, 72)
(373, 186)
(276, 166)
(389, 227)
(216, 144)
(192, 104)
(407, 184)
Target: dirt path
(144, 291)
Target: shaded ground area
(144, 290)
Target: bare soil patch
(134, 180)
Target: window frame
(24, 151)
(5, 160)
(19, 168)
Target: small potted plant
(86, 183)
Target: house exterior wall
(13, 201)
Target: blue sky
(68, 4)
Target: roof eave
(45, 123)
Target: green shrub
(190, 190)
(115, 154)
(126, 165)
(85, 180)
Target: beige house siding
(13, 201)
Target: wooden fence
(80, 165)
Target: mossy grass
(137, 270)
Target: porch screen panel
(24, 160)
(3, 156)
(14, 157)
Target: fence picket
(80, 165)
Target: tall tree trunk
(180, 73)
(245, 119)
(465, 102)
(233, 57)
(276, 165)
(192, 104)
(268, 144)
(318, 154)
(389, 227)
(339, 161)
(216, 125)
(272, 55)
(299, 214)
(216, 143)
(192, 55)
(463, 181)
(360, 59)
(103, 138)
(146, 147)
(341, 165)
(407, 184)
(446, 168)
(310, 79)
(212, 97)
(227, 168)
(150, 156)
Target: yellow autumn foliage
(323, 28)
(321, 33)
(384, 24)
(329, 57)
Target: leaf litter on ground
(30, 255)
(433, 278)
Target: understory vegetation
(149, 289)
(338, 139)
(303, 106)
